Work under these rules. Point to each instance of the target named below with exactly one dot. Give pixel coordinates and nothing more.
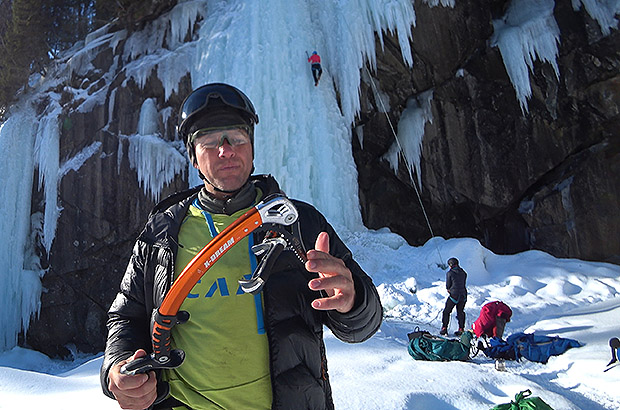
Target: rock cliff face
(545, 179)
(104, 210)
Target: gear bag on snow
(425, 346)
(535, 348)
(500, 349)
(523, 402)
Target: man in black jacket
(242, 350)
(456, 279)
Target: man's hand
(334, 278)
(136, 392)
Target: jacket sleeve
(128, 319)
(365, 317)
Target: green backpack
(425, 346)
(523, 402)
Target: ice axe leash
(272, 214)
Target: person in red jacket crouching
(491, 323)
(492, 319)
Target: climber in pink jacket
(315, 60)
(492, 319)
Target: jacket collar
(165, 219)
(245, 198)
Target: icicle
(604, 12)
(21, 286)
(47, 156)
(527, 31)
(156, 161)
(410, 134)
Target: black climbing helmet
(452, 262)
(212, 98)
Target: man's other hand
(334, 278)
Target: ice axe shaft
(276, 209)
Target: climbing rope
(385, 111)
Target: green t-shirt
(226, 351)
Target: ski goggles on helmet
(208, 138)
(211, 97)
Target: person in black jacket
(242, 350)
(456, 279)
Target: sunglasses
(209, 138)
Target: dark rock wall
(545, 179)
(104, 208)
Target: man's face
(225, 158)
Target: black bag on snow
(499, 349)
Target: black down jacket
(295, 331)
(456, 279)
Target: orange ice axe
(273, 210)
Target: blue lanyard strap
(208, 218)
(257, 298)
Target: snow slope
(570, 298)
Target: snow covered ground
(565, 297)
